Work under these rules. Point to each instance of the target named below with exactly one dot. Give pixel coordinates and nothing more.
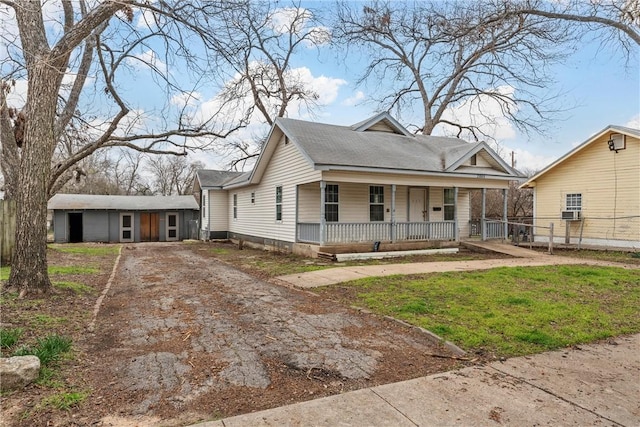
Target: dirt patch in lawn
(182, 337)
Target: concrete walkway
(586, 385)
(332, 276)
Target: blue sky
(600, 85)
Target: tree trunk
(29, 261)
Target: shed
(105, 218)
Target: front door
(149, 227)
(418, 205)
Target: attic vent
(473, 160)
(616, 142)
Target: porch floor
(503, 248)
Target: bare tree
(432, 57)
(258, 40)
(172, 175)
(617, 20)
(77, 64)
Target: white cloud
(485, 112)
(148, 59)
(353, 100)
(289, 20)
(186, 99)
(634, 122)
(146, 19)
(526, 160)
(18, 95)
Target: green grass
(4, 272)
(46, 320)
(77, 288)
(72, 269)
(49, 349)
(64, 401)
(86, 249)
(8, 337)
(509, 311)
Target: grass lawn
(507, 311)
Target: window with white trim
(449, 204)
(235, 206)
(376, 203)
(331, 203)
(279, 203)
(573, 202)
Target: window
(253, 198)
(235, 206)
(574, 202)
(279, 203)
(449, 204)
(331, 203)
(204, 206)
(473, 160)
(376, 203)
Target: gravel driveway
(183, 337)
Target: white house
(321, 187)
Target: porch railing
(355, 232)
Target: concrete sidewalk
(587, 385)
(335, 275)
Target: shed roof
(215, 178)
(122, 203)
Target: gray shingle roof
(130, 203)
(216, 178)
(334, 145)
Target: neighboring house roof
(611, 128)
(215, 178)
(121, 203)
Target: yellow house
(592, 193)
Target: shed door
(149, 227)
(75, 227)
(418, 205)
(173, 231)
(126, 227)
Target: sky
(599, 87)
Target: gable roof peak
(386, 120)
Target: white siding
(217, 217)
(464, 212)
(287, 168)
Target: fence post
(551, 238)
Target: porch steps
(503, 248)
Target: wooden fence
(7, 230)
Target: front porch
(401, 216)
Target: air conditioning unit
(570, 215)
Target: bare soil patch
(182, 337)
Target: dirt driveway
(182, 337)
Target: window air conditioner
(569, 215)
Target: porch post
(505, 212)
(297, 210)
(393, 213)
(483, 217)
(323, 220)
(456, 231)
